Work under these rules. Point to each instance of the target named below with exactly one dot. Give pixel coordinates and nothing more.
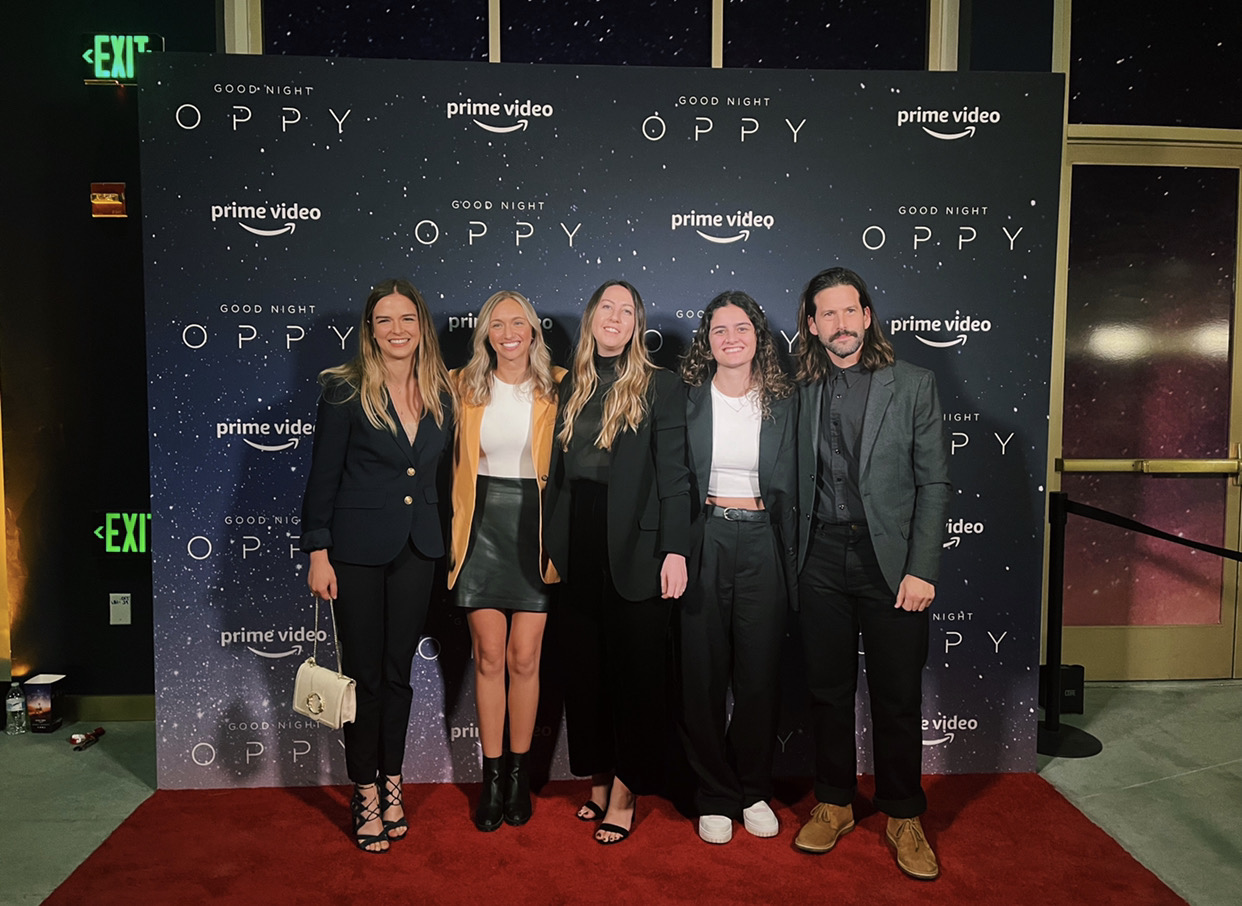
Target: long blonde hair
(474, 380)
(365, 373)
(625, 405)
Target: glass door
(1152, 407)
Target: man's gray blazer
(903, 472)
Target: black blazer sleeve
(331, 440)
(672, 470)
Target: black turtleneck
(584, 460)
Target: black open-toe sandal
(594, 811)
(391, 795)
(362, 814)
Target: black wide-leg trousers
(617, 714)
(732, 623)
(841, 594)
(380, 614)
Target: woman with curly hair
(506, 399)
(740, 423)
(618, 532)
(373, 526)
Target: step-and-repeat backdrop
(277, 190)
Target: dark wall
(1004, 36)
(72, 357)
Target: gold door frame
(1148, 652)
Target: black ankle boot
(517, 790)
(488, 815)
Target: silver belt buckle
(728, 514)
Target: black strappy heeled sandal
(392, 795)
(363, 813)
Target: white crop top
(735, 445)
(504, 436)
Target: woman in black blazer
(617, 531)
(373, 526)
(740, 429)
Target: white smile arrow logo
(961, 340)
(936, 742)
(296, 649)
(952, 542)
(970, 131)
(293, 442)
(289, 227)
(520, 124)
(744, 235)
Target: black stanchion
(1062, 741)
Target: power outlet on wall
(120, 608)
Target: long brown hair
(766, 375)
(625, 405)
(813, 360)
(365, 373)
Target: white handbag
(319, 693)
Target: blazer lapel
(878, 398)
(699, 433)
(543, 420)
(468, 428)
(769, 438)
(812, 397)
(400, 439)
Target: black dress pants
(617, 714)
(380, 613)
(732, 623)
(842, 593)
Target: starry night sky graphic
(390, 185)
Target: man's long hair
(813, 361)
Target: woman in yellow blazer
(506, 399)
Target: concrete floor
(1167, 786)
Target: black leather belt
(736, 514)
(843, 528)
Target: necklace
(736, 403)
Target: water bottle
(15, 705)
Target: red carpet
(1006, 839)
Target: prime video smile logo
(962, 326)
(515, 114)
(269, 437)
(736, 227)
(948, 125)
(286, 214)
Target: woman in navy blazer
(374, 528)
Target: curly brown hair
(766, 374)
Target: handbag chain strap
(336, 644)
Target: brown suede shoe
(914, 853)
(827, 825)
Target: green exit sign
(125, 533)
(112, 58)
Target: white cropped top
(504, 436)
(735, 445)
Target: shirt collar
(851, 375)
